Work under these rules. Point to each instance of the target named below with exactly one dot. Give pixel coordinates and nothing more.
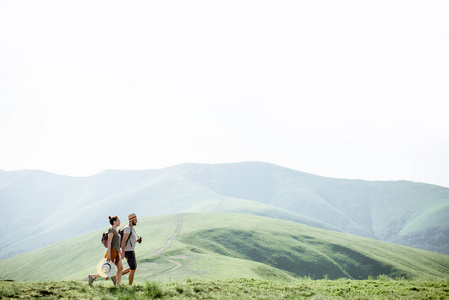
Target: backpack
(122, 233)
(104, 239)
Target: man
(129, 241)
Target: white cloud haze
(350, 89)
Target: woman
(113, 252)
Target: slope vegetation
(228, 245)
(396, 211)
(39, 208)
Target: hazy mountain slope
(39, 208)
(270, 184)
(43, 208)
(63, 218)
(215, 246)
(379, 209)
(235, 205)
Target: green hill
(227, 245)
(394, 211)
(40, 208)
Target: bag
(104, 239)
(122, 233)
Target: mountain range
(39, 208)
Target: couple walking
(126, 243)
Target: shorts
(131, 259)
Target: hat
(106, 269)
(132, 216)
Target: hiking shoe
(113, 280)
(91, 279)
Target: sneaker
(91, 279)
(113, 280)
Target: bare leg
(126, 271)
(119, 272)
(95, 276)
(131, 277)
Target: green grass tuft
(153, 290)
(383, 287)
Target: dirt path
(158, 252)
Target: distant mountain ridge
(39, 208)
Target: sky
(345, 89)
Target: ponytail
(112, 219)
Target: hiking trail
(158, 252)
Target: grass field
(244, 288)
(224, 246)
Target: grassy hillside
(300, 250)
(236, 205)
(39, 208)
(353, 206)
(222, 246)
(81, 254)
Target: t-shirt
(132, 239)
(116, 239)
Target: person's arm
(110, 237)
(124, 238)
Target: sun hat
(106, 269)
(132, 216)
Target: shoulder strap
(130, 233)
(135, 232)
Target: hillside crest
(46, 208)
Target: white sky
(349, 89)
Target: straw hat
(132, 216)
(106, 269)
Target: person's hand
(108, 259)
(122, 254)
